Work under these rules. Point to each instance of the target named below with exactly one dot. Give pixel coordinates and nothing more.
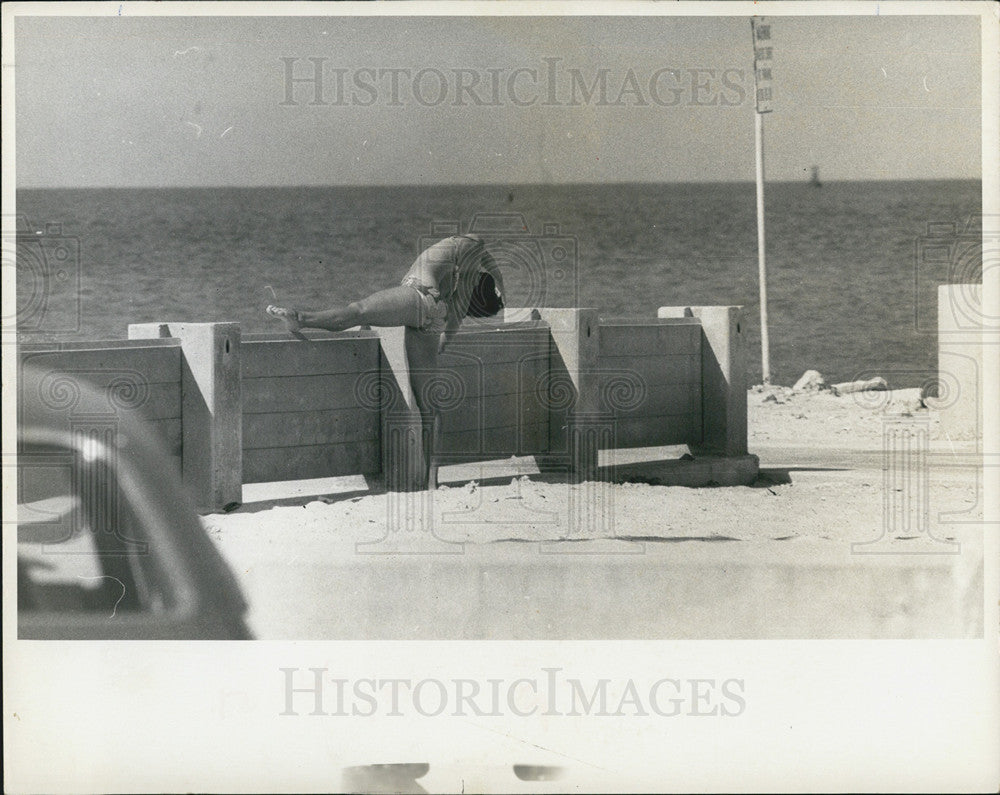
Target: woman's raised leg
(397, 306)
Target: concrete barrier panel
(562, 386)
(724, 386)
(306, 461)
(132, 378)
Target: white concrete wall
(236, 410)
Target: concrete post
(573, 363)
(211, 409)
(960, 361)
(724, 381)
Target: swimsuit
(433, 308)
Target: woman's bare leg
(397, 306)
(422, 358)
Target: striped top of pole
(762, 55)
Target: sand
(825, 486)
(821, 477)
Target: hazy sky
(122, 101)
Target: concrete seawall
(561, 385)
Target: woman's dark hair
(486, 300)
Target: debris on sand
(811, 381)
(877, 384)
(906, 402)
(774, 394)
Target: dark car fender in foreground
(109, 543)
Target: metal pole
(765, 346)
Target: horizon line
(508, 185)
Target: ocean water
(848, 288)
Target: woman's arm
(490, 266)
(453, 321)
